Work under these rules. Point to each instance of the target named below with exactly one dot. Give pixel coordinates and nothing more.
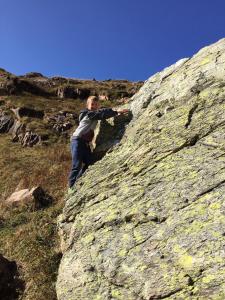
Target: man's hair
(92, 98)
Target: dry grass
(30, 237)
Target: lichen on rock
(147, 220)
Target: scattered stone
(29, 139)
(35, 198)
(62, 121)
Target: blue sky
(102, 39)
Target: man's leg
(86, 158)
(76, 151)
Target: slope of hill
(37, 116)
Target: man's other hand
(123, 111)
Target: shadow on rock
(109, 133)
(11, 286)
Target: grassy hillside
(29, 236)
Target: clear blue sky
(126, 39)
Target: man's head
(92, 103)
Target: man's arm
(105, 113)
(102, 114)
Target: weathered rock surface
(109, 133)
(6, 122)
(20, 132)
(62, 121)
(35, 198)
(147, 221)
(27, 112)
(29, 139)
(72, 92)
(12, 85)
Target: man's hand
(123, 111)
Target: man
(83, 135)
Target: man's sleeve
(102, 114)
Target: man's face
(93, 105)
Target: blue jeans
(81, 153)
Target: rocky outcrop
(13, 85)
(33, 75)
(62, 121)
(147, 221)
(29, 139)
(6, 122)
(36, 84)
(19, 131)
(72, 92)
(27, 112)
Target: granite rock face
(147, 220)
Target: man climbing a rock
(83, 135)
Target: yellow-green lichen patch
(116, 294)
(88, 239)
(205, 61)
(208, 278)
(215, 206)
(186, 261)
(122, 253)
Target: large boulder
(147, 221)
